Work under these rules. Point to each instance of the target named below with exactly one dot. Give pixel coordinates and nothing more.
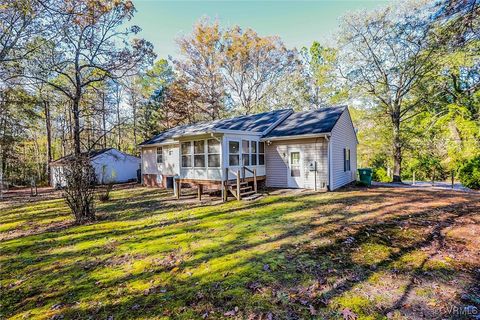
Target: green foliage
(470, 173)
(380, 175)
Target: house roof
(257, 123)
(90, 154)
(308, 122)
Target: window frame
(237, 154)
(189, 154)
(346, 160)
(213, 153)
(202, 154)
(159, 154)
(261, 155)
(253, 155)
(245, 155)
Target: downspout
(329, 157)
(316, 164)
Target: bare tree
(20, 21)
(92, 47)
(386, 54)
(251, 64)
(201, 66)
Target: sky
(297, 22)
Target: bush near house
(469, 173)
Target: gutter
(298, 136)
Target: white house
(312, 149)
(110, 165)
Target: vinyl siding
(312, 150)
(170, 165)
(343, 136)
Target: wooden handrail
(254, 173)
(249, 170)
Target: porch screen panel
(199, 154)
(186, 154)
(245, 153)
(233, 153)
(159, 155)
(213, 153)
(254, 154)
(261, 153)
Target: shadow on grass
(261, 257)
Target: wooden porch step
(244, 183)
(234, 188)
(246, 193)
(252, 197)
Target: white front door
(295, 169)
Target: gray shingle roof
(257, 123)
(308, 122)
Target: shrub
(105, 196)
(380, 175)
(469, 173)
(79, 191)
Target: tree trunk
(119, 131)
(48, 125)
(134, 110)
(397, 150)
(104, 121)
(76, 125)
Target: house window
(213, 153)
(261, 153)
(346, 159)
(233, 153)
(159, 155)
(199, 154)
(245, 153)
(186, 154)
(254, 154)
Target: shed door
(295, 169)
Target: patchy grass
(373, 253)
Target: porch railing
(239, 178)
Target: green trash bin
(365, 175)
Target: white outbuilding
(110, 165)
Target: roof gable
(308, 122)
(256, 123)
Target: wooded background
(74, 78)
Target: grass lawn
(371, 254)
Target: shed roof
(90, 154)
(308, 122)
(258, 123)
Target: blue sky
(298, 23)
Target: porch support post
(255, 180)
(224, 191)
(239, 197)
(225, 186)
(200, 191)
(179, 186)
